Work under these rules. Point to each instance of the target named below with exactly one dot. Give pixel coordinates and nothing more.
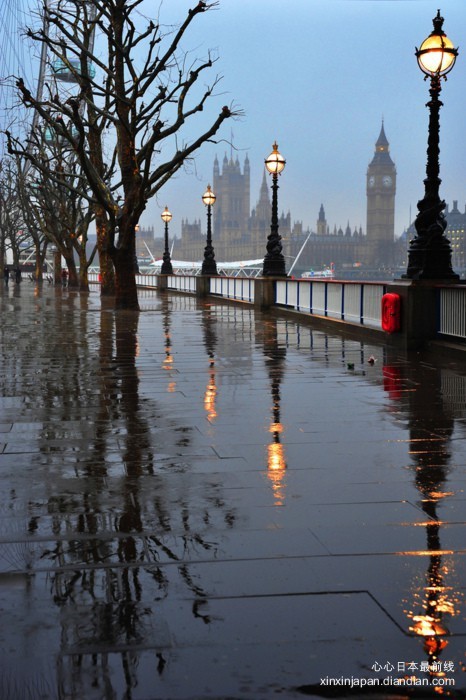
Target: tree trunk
(107, 274)
(83, 271)
(126, 294)
(40, 256)
(57, 268)
(73, 280)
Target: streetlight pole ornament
(274, 261)
(429, 255)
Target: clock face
(371, 181)
(387, 181)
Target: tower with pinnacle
(232, 207)
(381, 190)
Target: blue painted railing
(352, 302)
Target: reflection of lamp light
(434, 600)
(276, 462)
(276, 468)
(168, 360)
(427, 626)
(210, 394)
(276, 458)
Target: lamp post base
(274, 266)
(430, 262)
(209, 267)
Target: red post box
(391, 312)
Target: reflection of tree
(113, 535)
(117, 402)
(113, 518)
(430, 428)
(275, 361)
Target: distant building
(145, 237)
(240, 233)
(352, 249)
(456, 232)
(380, 221)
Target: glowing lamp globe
(437, 55)
(275, 163)
(166, 215)
(208, 197)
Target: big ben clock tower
(381, 189)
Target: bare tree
(59, 204)
(125, 122)
(13, 228)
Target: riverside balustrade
(357, 303)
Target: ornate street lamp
(429, 255)
(209, 266)
(135, 256)
(167, 268)
(274, 262)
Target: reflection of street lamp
(430, 251)
(276, 461)
(274, 262)
(167, 268)
(432, 603)
(210, 393)
(209, 266)
(210, 342)
(168, 361)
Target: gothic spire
(382, 148)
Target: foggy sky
(319, 76)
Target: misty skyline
(319, 77)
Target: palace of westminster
(241, 234)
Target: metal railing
(452, 311)
(355, 302)
(182, 283)
(239, 288)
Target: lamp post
(167, 268)
(135, 257)
(209, 266)
(274, 262)
(429, 255)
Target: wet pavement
(202, 501)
